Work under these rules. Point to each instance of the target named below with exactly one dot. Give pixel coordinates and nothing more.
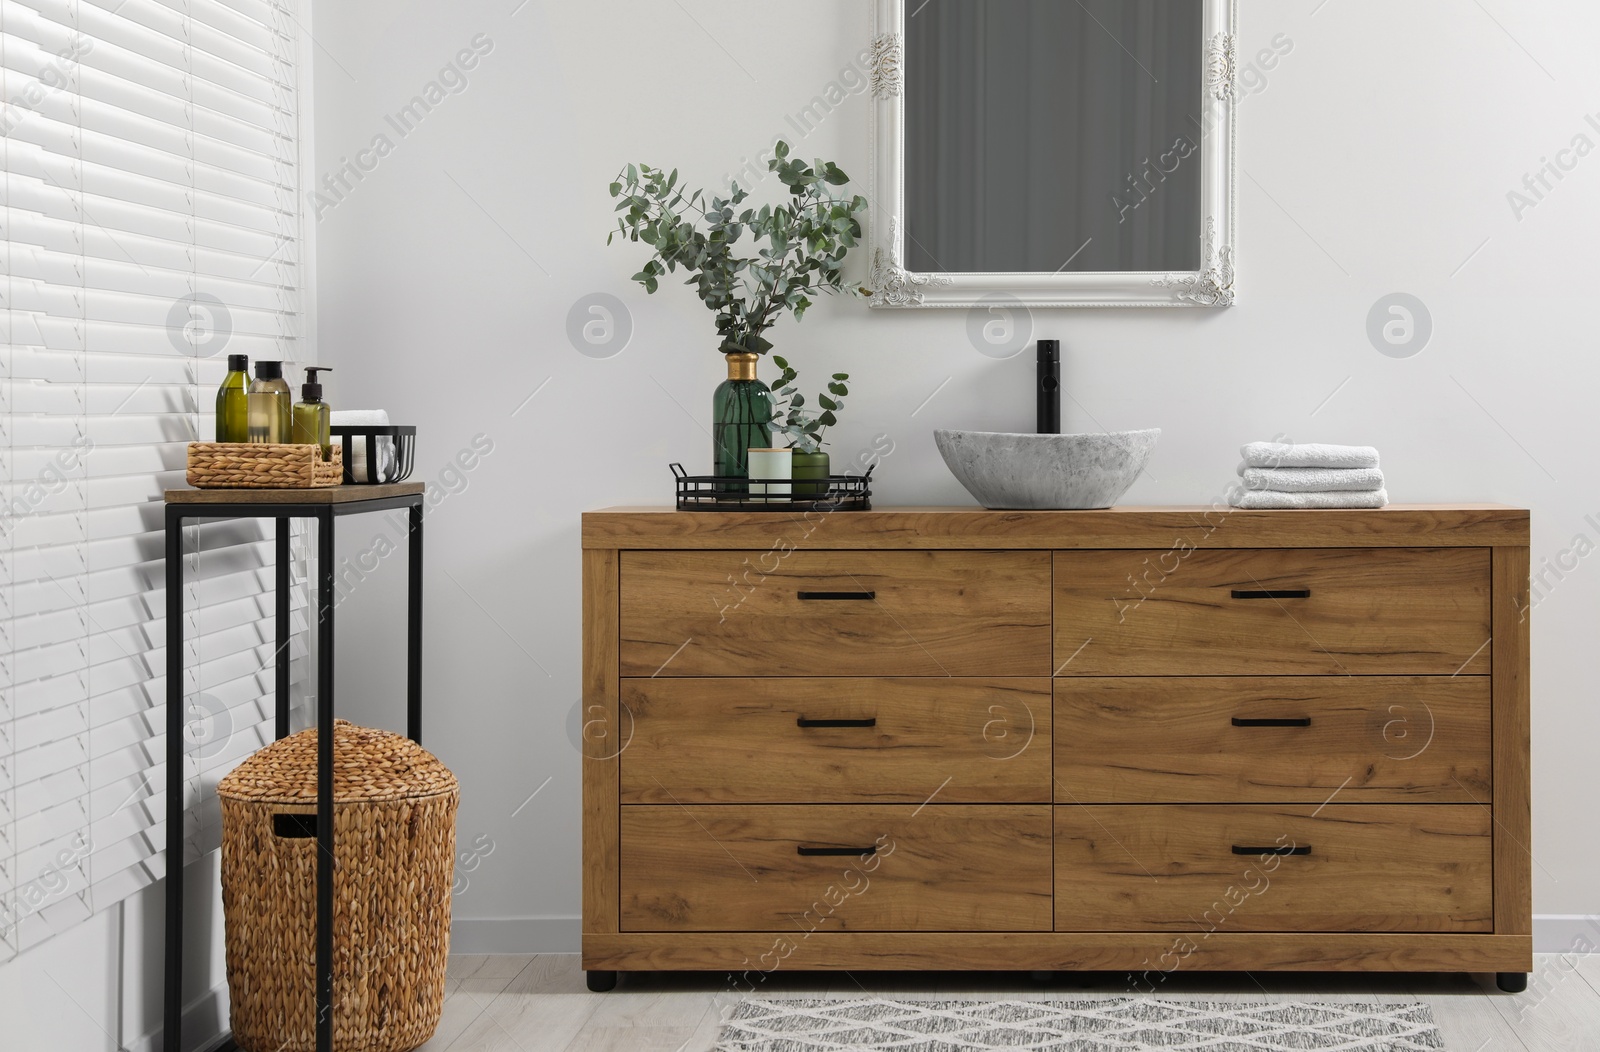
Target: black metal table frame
(324, 514)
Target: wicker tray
(262, 465)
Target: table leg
(172, 1009)
(281, 640)
(325, 855)
(414, 627)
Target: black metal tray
(719, 493)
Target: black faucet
(1049, 415)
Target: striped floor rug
(1112, 1024)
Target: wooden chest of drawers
(1138, 740)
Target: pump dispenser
(311, 412)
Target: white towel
(359, 417)
(1266, 498)
(358, 446)
(1307, 455)
(1312, 480)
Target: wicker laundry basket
(394, 844)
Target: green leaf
(841, 376)
(781, 149)
(838, 389)
(827, 420)
(827, 403)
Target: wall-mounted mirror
(1054, 153)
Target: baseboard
(516, 934)
(205, 1021)
(1566, 933)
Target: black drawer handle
(1272, 593)
(1276, 849)
(808, 852)
(294, 827)
(837, 595)
(1272, 721)
(870, 721)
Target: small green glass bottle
(233, 401)
(311, 412)
(741, 417)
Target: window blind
(151, 227)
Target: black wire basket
(719, 493)
(387, 454)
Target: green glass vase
(741, 418)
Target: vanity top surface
(1440, 525)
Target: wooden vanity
(1140, 740)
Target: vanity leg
(1511, 982)
(600, 982)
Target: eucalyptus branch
(791, 420)
(800, 246)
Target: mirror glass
(1053, 135)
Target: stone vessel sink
(1010, 471)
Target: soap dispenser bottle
(233, 406)
(269, 404)
(311, 412)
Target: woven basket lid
(368, 764)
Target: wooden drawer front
(940, 867)
(935, 613)
(1273, 739)
(837, 740)
(1373, 611)
(1370, 867)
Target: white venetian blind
(151, 227)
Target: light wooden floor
(540, 1004)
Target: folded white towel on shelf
(1266, 498)
(359, 417)
(1311, 480)
(358, 446)
(1307, 455)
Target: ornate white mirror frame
(1212, 286)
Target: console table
(324, 506)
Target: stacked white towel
(1310, 475)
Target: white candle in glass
(770, 464)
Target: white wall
(1376, 158)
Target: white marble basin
(1020, 471)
